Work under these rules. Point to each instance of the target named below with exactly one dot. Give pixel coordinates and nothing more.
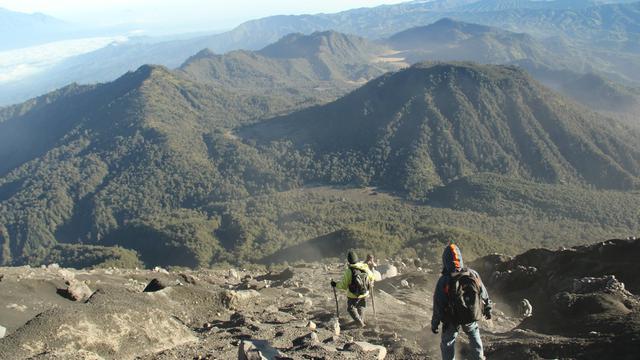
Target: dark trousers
(356, 307)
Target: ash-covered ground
(584, 307)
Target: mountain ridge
(403, 118)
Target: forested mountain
(450, 40)
(430, 124)
(79, 164)
(151, 163)
(494, 5)
(320, 62)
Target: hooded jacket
(347, 277)
(451, 262)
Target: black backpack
(465, 304)
(360, 282)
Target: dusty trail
(210, 314)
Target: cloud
(21, 63)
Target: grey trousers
(356, 308)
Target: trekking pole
(373, 304)
(335, 295)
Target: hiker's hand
(333, 283)
(487, 312)
(434, 329)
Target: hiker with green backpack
(460, 300)
(357, 280)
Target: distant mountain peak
(443, 30)
(434, 122)
(332, 42)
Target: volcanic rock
(232, 299)
(155, 285)
(76, 291)
(365, 347)
(248, 351)
(388, 271)
(307, 340)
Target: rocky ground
(581, 309)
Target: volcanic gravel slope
(210, 314)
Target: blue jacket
(451, 262)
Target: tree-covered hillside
(324, 64)
(450, 40)
(151, 169)
(430, 124)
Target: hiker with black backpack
(459, 301)
(357, 280)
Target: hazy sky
(187, 14)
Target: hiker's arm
(438, 304)
(484, 294)
(343, 284)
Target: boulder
(607, 284)
(248, 351)
(277, 317)
(188, 278)
(155, 285)
(388, 271)
(376, 275)
(232, 299)
(158, 269)
(76, 291)
(257, 349)
(365, 347)
(280, 277)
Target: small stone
(307, 304)
(404, 283)
(307, 340)
(311, 325)
(21, 308)
(158, 269)
(234, 274)
(336, 327)
(3, 331)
